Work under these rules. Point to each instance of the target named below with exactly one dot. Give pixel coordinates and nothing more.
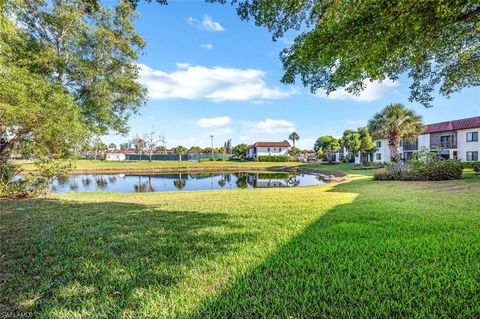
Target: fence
(175, 157)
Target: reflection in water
(63, 180)
(144, 186)
(101, 183)
(222, 182)
(86, 181)
(181, 181)
(241, 180)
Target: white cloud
(214, 121)
(182, 65)
(271, 126)
(206, 24)
(217, 84)
(207, 46)
(373, 91)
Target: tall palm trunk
(393, 145)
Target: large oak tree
(68, 68)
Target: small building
(268, 149)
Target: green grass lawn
(358, 249)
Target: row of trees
(394, 123)
(359, 142)
(152, 143)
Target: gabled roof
(453, 125)
(271, 144)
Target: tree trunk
(393, 145)
(5, 151)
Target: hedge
(422, 171)
(273, 158)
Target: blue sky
(210, 73)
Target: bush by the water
(275, 158)
(418, 170)
(17, 184)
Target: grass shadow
(102, 258)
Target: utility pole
(211, 136)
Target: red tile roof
(272, 144)
(453, 125)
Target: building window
(379, 156)
(279, 149)
(268, 150)
(472, 156)
(472, 137)
(379, 144)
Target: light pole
(211, 136)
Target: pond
(142, 183)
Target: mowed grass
(125, 166)
(358, 249)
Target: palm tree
(393, 123)
(293, 137)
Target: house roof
(272, 144)
(454, 125)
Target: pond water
(142, 183)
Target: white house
(115, 156)
(457, 139)
(268, 149)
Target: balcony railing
(410, 146)
(445, 144)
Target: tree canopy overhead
(346, 43)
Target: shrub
(274, 158)
(443, 170)
(383, 175)
(476, 167)
(418, 170)
(13, 185)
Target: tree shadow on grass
(367, 259)
(67, 259)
